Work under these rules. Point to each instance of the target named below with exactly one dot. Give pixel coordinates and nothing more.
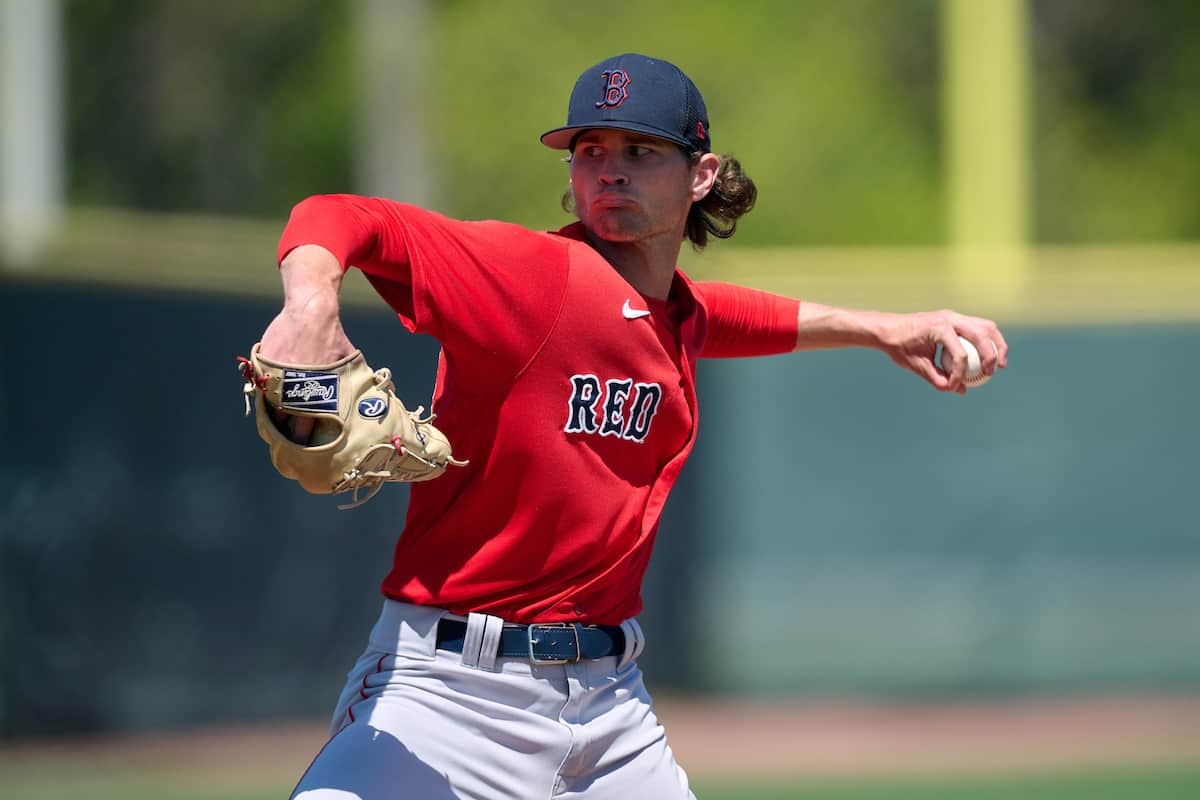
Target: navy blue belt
(543, 643)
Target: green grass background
(1164, 783)
(1169, 782)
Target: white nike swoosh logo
(633, 313)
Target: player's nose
(612, 172)
(613, 178)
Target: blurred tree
(198, 105)
(227, 107)
(1117, 120)
(832, 107)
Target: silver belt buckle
(552, 661)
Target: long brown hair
(718, 212)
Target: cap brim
(561, 138)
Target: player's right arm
(308, 330)
(462, 282)
(324, 235)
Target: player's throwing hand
(912, 341)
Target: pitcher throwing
(504, 662)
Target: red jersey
(572, 395)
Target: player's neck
(647, 264)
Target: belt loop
(473, 639)
(635, 642)
(490, 642)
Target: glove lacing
(254, 383)
(372, 480)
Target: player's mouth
(611, 200)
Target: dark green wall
(865, 533)
(841, 527)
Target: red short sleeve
(488, 291)
(747, 322)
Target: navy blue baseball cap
(633, 92)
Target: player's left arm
(749, 322)
(910, 340)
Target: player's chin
(617, 225)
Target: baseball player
(504, 662)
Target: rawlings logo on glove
(362, 436)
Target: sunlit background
(861, 588)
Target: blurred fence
(841, 528)
(1040, 535)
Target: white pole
(31, 133)
(392, 152)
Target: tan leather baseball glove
(362, 437)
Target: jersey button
(580, 608)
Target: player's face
(629, 187)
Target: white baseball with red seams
(974, 375)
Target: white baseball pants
(417, 722)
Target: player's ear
(704, 175)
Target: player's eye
(592, 151)
(638, 151)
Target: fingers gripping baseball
(914, 341)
